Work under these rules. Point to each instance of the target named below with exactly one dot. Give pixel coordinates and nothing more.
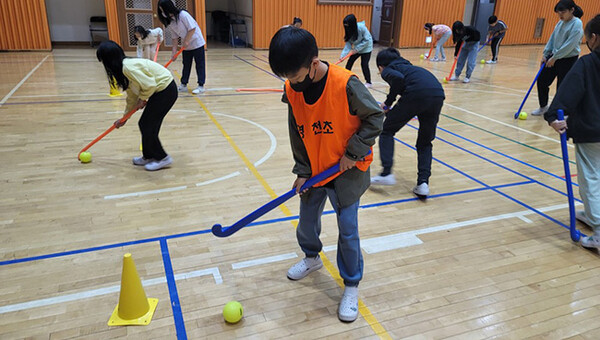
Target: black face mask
(303, 85)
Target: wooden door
(386, 28)
(144, 13)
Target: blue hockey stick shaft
(528, 92)
(487, 42)
(575, 235)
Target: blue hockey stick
(528, 92)
(575, 235)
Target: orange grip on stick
(174, 57)
(344, 58)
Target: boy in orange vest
(332, 118)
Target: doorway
(391, 14)
(483, 9)
(229, 22)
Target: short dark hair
(141, 30)
(291, 48)
(111, 55)
(593, 26)
(169, 8)
(386, 56)
(565, 5)
(296, 21)
(429, 26)
(492, 19)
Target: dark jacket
(410, 81)
(470, 34)
(350, 185)
(579, 97)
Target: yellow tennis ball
(233, 312)
(422, 56)
(85, 157)
(523, 115)
(445, 80)
(483, 61)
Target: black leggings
(560, 69)
(427, 111)
(200, 59)
(364, 64)
(495, 45)
(156, 109)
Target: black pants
(156, 109)
(364, 64)
(199, 58)
(428, 111)
(560, 69)
(495, 45)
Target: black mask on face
(303, 85)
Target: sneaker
(157, 165)
(306, 266)
(384, 180)
(182, 88)
(421, 190)
(348, 309)
(466, 80)
(590, 241)
(199, 89)
(491, 61)
(141, 160)
(435, 60)
(580, 216)
(443, 59)
(368, 85)
(540, 111)
(453, 78)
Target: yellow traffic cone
(134, 307)
(114, 90)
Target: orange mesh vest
(326, 126)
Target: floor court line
(173, 294)
(22, 81)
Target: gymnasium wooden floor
(487, 255)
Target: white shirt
(146, 48)
(180, 28)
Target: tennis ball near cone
(233, 312)
(523, 115)
(85, 157)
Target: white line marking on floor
(222, 178)
(64, 95)
(555, 140)
(264, 260)
(106, 290)
(143, 193)
(220, 89)
(22, 81)
(525, 219)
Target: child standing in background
(358, 39)
(441, 34)
(496, 32)
(147, 40)
(578, 97)
(468, 37)
(561, 51)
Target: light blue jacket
(565, 39)
(363, 42)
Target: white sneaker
(580, 216)
(491, 61)
(590, 241)
(182, 88)
(466, 80)
(435, 60)
(141, 160)
(306, 266)
(368, 85)
(157, 165)
(421, 190)
(199, 89)
(348, 308)
(453, 78)
(540, 111)
(383, 180)
(443, 59)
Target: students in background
(441, 34)
(496, 32)
(150, 86)
(561, 51)
(359, 41)
(297, 22)
(578, 97)
(332, 118)
(147, 40)
(182, 25)
(421, 95)
(468, 37)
